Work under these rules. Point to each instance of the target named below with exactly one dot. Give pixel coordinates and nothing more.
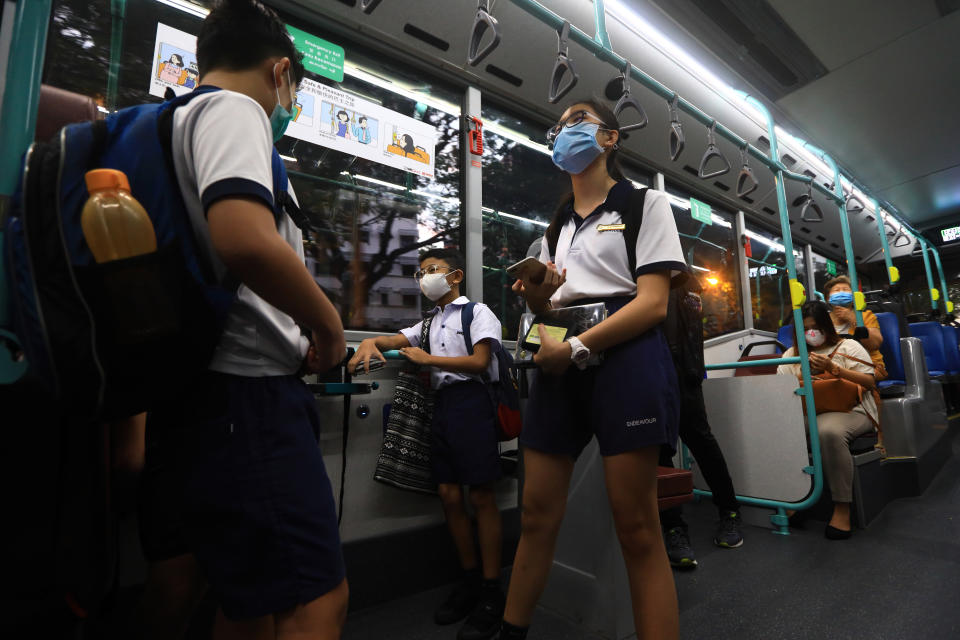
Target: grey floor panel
(898, 579)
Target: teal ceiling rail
(18, 119)
(600, 14)
(859, 303)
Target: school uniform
(631, 399)
(257, 506)
(465, 444)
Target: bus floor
(900, 578)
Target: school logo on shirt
(610, 227)
(640, 422)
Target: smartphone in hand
(529, 269)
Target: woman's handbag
(404, 460)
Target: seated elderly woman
(839, 294)
(848, 360)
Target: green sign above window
(700, 211)
(831, 267)
(319, 56)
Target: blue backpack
(104, 340)
(505, 393)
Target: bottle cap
(100, 179)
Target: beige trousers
(837, 430)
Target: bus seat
(889, 306)
(674, 487)
(892, 357)
(57, 108)
(932, 338)
(951, 353)
(785, 335)
(915, 420)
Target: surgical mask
(576, 147)
(434, 286)
(280, 117)
(815, 337)
(841, 298)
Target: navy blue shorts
(630, 401)
(259, 511)
(465, 444)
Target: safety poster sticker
(174, 62)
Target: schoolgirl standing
(629, 401)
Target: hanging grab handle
(367, 6)
(853, 204)
(677, 140)
(481, 24)
(713, 151)
(561, 67)
(810, 212)
(627, 101)
(746, 183)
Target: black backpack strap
(466, 319)
(632, 217)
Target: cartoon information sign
(174, 62)
(344, 122)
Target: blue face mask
(280, 117)
(576, 147)
(841, 298)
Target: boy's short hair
(451, 256)
(830, 284)
(240, 34)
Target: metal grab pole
(926, 266)
(944, 292)
(601, 37)
(118, 11)
(845, 231)
(892, 274)
(18, 119)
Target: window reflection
(711, 253)
(521, 188)
(770, 280)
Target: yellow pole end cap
(798, 295)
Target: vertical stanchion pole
(934, 294)
(892, 273)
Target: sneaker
(679, 550)
(728, 531)
(484, 622)
(458, 605)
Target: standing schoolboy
(258, 510)
(464, 450)
(630, 400)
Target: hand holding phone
(529, 269)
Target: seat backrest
(57, 108)
(932, 337)
(785, 335)
(950, 348)
(889, 306)
(892, 358)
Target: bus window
(374, 216)
(769, 280)
(711, 251)
(521, 188)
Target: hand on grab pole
(365, 352)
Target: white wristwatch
(579, 354)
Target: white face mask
(815, 337)
(434, 286)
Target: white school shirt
(446, 339)
(596, 259)
(222, 147)
(847, 347)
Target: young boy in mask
(839, 294)
(464, 448)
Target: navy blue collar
(617, 198)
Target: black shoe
(458, 605)
(484, 622)
(832, 533)
(728, 531)
(679, 550)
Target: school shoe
(832, 533)
(484, 622)
(679, 550)
(728, 531)
(458, 605)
